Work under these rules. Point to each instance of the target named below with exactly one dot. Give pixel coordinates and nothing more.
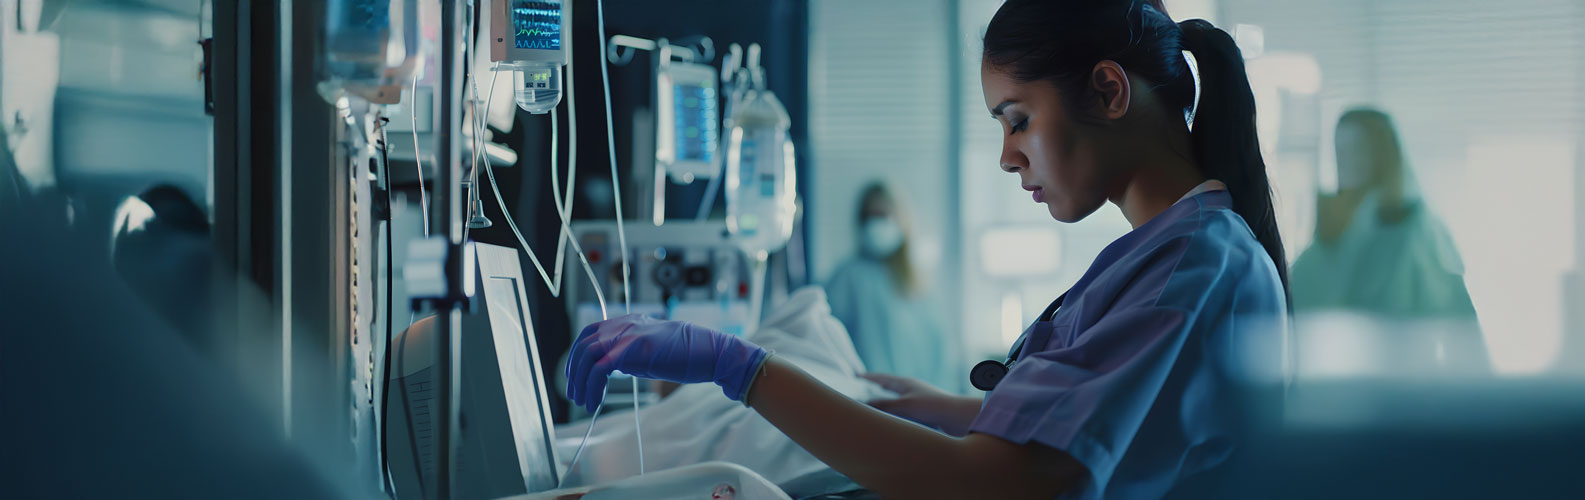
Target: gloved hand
(667, 350)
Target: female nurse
(1120, 389)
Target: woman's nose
(1012, 161)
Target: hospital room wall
(128, 113)
(1490, 104)
(880, 84)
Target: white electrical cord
(588, 270)
(616, 187)
(566, 228)
(418, 162)
(489, 170)
(575, 455)
(565, 220)
(621, 235)
(621, 232)
(572, 166)
(476, 142)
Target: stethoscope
(987, 374)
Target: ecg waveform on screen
(537, 25)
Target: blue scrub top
(1130, 375)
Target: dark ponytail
(1061, 42)
(1224, 137)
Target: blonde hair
(900, 263)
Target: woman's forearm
(963, 410)
(889, 455)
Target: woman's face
(1356, 162)
(1054, 155)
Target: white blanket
(697, 423)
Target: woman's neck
(1156, 186)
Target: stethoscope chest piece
(986, 374)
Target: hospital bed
(508, 443)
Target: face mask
(1352, 175)
(881, 237)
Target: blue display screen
(537, 24)
(696, 121)
(368, 17)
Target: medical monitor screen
(537, 25)
(521, 384)
(695, 114)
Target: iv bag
(760, 174)
(371, 47)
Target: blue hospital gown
(1130, 378)
(892, 333)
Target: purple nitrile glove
(657, 349)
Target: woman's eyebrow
(997, 111)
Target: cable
(385, 381)
(707, 203)
(418, 161)
(476, 141)
(592, 419)
(553, 285)
(478, 146)
(489, 170)
(567, 230)
(572, 174)
(566, 210)
(572, 166)
(621, 232)
(479, 117)
(610, 142)
(490, 173)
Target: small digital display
(366, 16)
(696, 121)
(536, 24)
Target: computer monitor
(507, 435)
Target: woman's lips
(1037, 193)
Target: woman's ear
(1110, 84)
